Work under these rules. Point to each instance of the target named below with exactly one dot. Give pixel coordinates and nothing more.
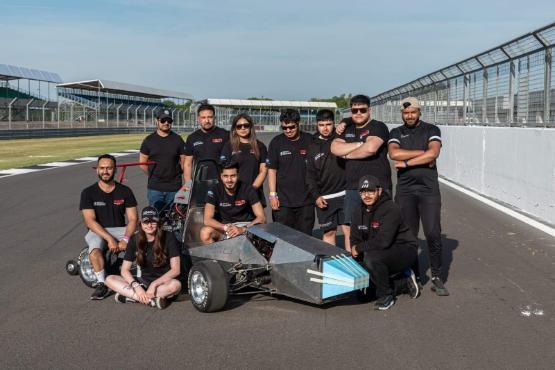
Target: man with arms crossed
(415, 147)
(231, 207)
(104, 206)
(326, 178)
(166, 148)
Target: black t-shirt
(423, 178)
(233, 208)
(325, 171)
(289, 157)
(377, 164)
(109, 208)
(207, 145)
(148, 271)
(165, 175)
(249, 166)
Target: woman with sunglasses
(249, 153)
(157, 255)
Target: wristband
(134, 284)
(225, 228)
(273, 194)
(406, 163)
(125, 238)
(272, 197)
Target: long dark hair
(160, 253)
(234, 140)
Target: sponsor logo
(99, 204)
(236, 152)
(318, 156)
(225, 204)
(362, 227)
(210, 193)
(349, 135)
(302, 151)
(267, 161)
(326, 224)
(404, 136)
(217, 140)
(363, 134)
(197, 143)
(375, 224)
(240, 202)
(222, 157)
(252, 151)
(285, 152)
(118, 202)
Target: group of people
(341, 173)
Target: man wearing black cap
(415, 146)
(166, 148)
(205, 143)
(387, 245)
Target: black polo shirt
(109, 208)
(233, 208)
(288, 158)
(377, 164)
(166, 174)
(417, 179)
(249, 165)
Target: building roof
(270, 103)
(125, 89)
(8, 72)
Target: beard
(110, 179)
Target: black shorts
(331, 216)
(144, 281)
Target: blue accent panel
(344, 268)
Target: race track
(501, 274)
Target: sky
(285, 50)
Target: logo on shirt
(236, 152)
(404, 136)
(210, 193)
(285, 152)
(350, 135)
(363, 134)
(318, 156)
(217, 140)
(99, 204)
(375, 224)
(240, 202)
(118, 202)
(225, 204)
(302, 151)
(197, 143)
(362, 227)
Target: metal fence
(509, 85)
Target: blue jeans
(160, 199)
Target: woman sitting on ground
(157, 254)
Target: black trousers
(299, 218)
(425, 208)
(381, 264)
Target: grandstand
(266, 112)
(26, 96)
(103, 103)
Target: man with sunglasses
(205, 143)
(414, 147)
(166, 149)
(291, 202)
(364, 145)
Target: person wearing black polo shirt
(231, 207)
(249, 153)
(205, 143)
(415, 146)
(386, 243)
(104, 206)
(166, 148)
(291, 202)
(364, 145)
(326, 179)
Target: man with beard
(291, 202)
(415, 146)
(326, 179)
(205, 143)
(104, 206)
(364, 145)
(231, 206)
(166, 149)
(387, 245)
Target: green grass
(21, 153)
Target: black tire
(72, 267)
(86, 272)
(208, 286)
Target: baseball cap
(149, 213)
(411, 102)
(368, 182)
(164, 113)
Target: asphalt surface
(501, 274)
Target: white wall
(512, 165)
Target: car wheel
(72, 267)
(208, 286)
(86, 271)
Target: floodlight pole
(10, 113)
(117, 114)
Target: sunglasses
(359, 110)
(242, 126)
(287, 128)
(166, 120)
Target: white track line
(519, 216)
(18, 171)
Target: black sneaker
(161, 303)
(384, 303)
(101, 291)
(123, 299)
(412, 284)
(438, 287)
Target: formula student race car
(270, 258)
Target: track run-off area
(500, 314)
